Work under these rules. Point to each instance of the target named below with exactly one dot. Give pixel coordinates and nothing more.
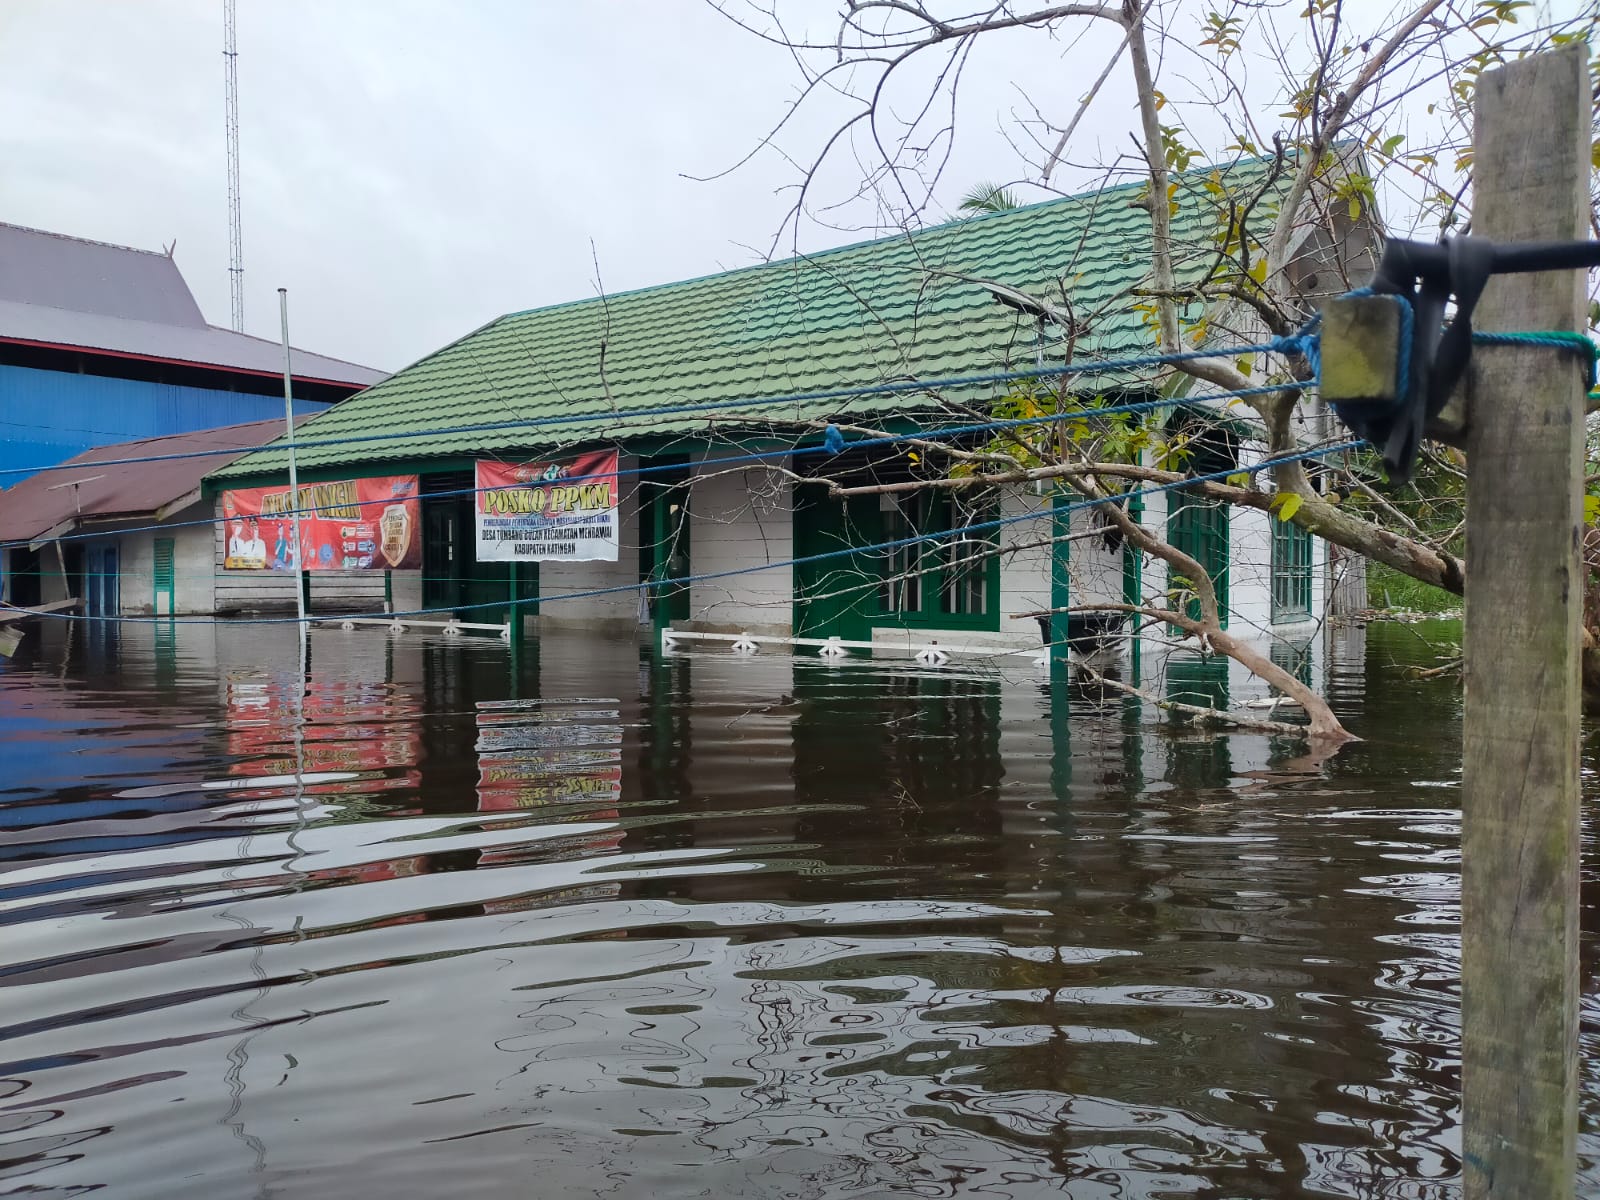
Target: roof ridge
(68, 237)
(905, 234)
(296, 349)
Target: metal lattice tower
(230, 58)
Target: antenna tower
(230, 58)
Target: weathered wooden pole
(1519, 842)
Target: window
(1291, 573)
(1293, 657)
(952, 580)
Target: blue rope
(1402, 368)
(824, 556)
(756, 455)
(891, 388)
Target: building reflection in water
(944, 928)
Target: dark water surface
(714, 927)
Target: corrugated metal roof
(203, 346)
(41, 502)
(67, 291)
(900, 308)
(51, 269)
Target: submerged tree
(1361, 127)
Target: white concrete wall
(1095, 570)
(51, 585)
(192, 564)
(741, 518)
(1249, 571)
(1250, 577)
(407, 589)
(1152, 570)
(1024, 562)
(1249, 565)
(616, 610)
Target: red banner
(346, 525)
(346, 726)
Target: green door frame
(664, 548)
(452, 577)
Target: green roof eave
(787, 337)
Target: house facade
(775, 429)
(123, 530)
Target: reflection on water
(432, 923)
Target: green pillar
(1060, 574)
(514, 622)
(1133, 582)
(1060, 729)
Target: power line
(753, 456)
(732, 572)
(886, 388)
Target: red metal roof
(108, 490)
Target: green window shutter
(1291, 573)
(165, 574)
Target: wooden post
(1519, 841)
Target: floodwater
(595, 925)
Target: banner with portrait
(346, 525)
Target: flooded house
(673, 456)
(122, 530)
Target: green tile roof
(903, 307)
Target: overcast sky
(413, 168)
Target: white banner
(567, 510)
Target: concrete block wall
(741, 518)
(193, 563)
(1094, 568)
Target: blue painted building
(103, 344)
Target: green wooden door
(452, 577)
(1199, 528)
(441, 549)
(664, 551)
(165, 576)
(836, 596)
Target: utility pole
(300, 579)
(1524, 595)
(230, 60)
